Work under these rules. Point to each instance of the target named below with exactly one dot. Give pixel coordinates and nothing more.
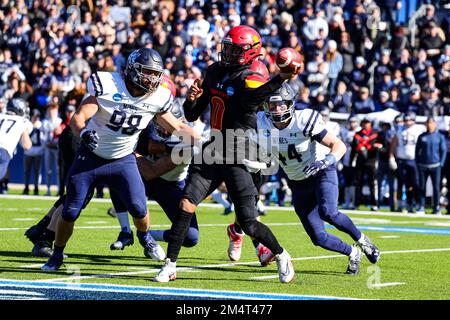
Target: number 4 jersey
(120, 116)
(11, 129)
(297, 142)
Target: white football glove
(254, 166)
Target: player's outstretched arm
(178, 128)
(154, 170)
(84, 112)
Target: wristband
(330, 159)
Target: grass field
(415, 262)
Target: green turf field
(415, 262)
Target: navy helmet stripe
(94, 83)
(313, 124)
(307, 124)
(99, 83)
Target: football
(288, 59)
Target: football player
(235, 92)
(14, 126)
(312, 174)
(163, 179)
(108, 121)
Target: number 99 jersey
(298, 142)
(120, 116)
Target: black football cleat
(370, 250)
(123, 240)
(53, 263)
(34, 233)
(354, 260)
(42, 249)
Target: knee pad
(138, 210)
(191, 238)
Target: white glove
(392, 164)
(254, 166)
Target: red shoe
(264, 254)
(235, 247)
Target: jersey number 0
(217, 111)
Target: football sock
(333, 243)
(48, 235)
(178, 233)
(255, 243)
(159, 235)
(343, 223)
(264, 235)
(58, 251)
(144, 237)
(124, 221)
(238, 228)
(44, 221)
(219, 197)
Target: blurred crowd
(358, 58)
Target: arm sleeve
(253, 98)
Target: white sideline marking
(389, 237)
(269, 209)
(212, 266)
(264, 277)
(31, 293)
(438, 224)
(31, 266)
(24, 219)
(387, 284)
(96, 222)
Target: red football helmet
(240, 46)
(261, 70)
(168, 84)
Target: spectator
(78, 66)
(363, 158)
(363, 104)
(403, 147)
(303, 101)
(347, 135)
(430, 157)
(383, 102)
(358, 77)
(385, 171)
(433, 41)
(431, 104)
(51, 129)
(342, 101)
(33, 157)
(335, 61)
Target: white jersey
(332, 127)
(407, 140)
(297, 147)
(120, 116)
(11, 129)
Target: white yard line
(389, 237)
(269, 209)
(387, 284)
(213, 266)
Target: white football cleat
(264, 254)
(285, 268)
(154, 251)
(167, 273)
(354, 260)
(235, 247)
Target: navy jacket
(431, 149)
